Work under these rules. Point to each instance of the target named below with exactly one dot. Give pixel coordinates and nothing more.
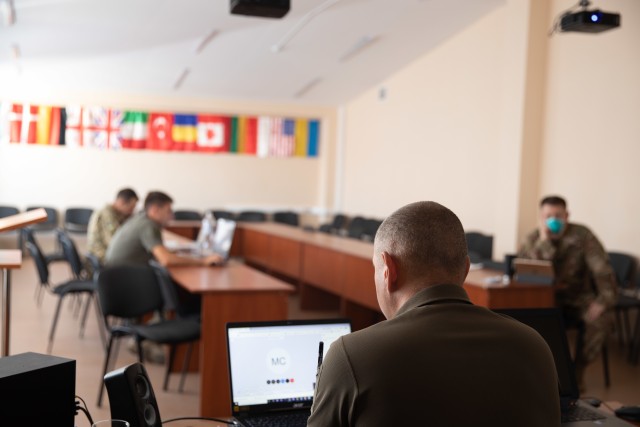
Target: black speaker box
(37, 390)
(131, 396)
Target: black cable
(219, 420)
(86, 412)
(83, 402)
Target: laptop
(550, 325)
(273, 367)
(222, 240)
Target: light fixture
(358, 47)
(306, 88)
(181, 79)
(202, 44)
(278, 47)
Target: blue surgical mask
(555, 225)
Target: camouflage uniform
(583, 275)
(102, 226)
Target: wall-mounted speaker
(131, 396)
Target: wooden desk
(515, 295)
(234, 293)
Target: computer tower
(37, 390)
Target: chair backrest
(288, 217)
(217, 214)
(8, 211)
(77, 219)
(38, 258)
(479, 246)
(52, 218)
(371, 228)
(94, 262)
(187, 215)
(356, 227)
(624, 267)
(128, 291)
(184, 303)
(252, 216)
(70, 252)
(339, 221)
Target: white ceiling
(143, 46)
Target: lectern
(11, 259)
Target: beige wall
(63, 177)
(591, 150)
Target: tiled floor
(30, 328)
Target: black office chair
(71, 287)
(27, 235)
(127, 293)
(185, 305)
(370, 229)
(624, 266)
(217, 214)
(356, 227)
(479, 246)
(6, 211)
(49, 225)
(187, 215)
(252, 216)
(76, 220)
(335, 226)
(287, 217)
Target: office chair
(217, 214)
(70, 287)
(288, 217)
(76, 220)
(187, 215)
(185, 305)
(252, 216)
(479, 246)
(370, 229)
(129, 292)
(356, 227)
(27, 235)
(335, 226)
(624, 266)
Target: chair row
(283, 217)
(357, 227)
(76, 220)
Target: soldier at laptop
(438, 360)
(585, 281)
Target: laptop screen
(223, 237)
(273, 365)
(549, 324)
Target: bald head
(426, 241)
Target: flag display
(113, 129)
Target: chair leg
(185, 366)
(635, 343)
(620, 328)
(104, 371)
(605, 365)
(172, 355)
(627, 326)
(54, 324)
(140, 353)
(101, 326)
(83, 321)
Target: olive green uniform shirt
(134, 241)
(581, 266)
(440, 362)
(103, 224)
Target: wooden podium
(11, 259)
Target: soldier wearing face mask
(584, 280)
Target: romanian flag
(134, 129)
(160, 132)
(185, 132)
(213, 133)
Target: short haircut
(423, 238)
(553, 201)
(127, 194)
(156, 198)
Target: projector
(261, 8)
(595, 21)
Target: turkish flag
(159, 138)
(213, 133)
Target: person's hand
(543, 230)
(594, 311)
(212, 260)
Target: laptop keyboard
(578, 413)
(297, 419)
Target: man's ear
(390, 272)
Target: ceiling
(144, 46)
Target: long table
(233, 293)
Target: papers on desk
(476, 266)
(499, 281)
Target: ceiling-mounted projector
(588, 21)
(261, 8)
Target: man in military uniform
(104, 223)
(584, 280)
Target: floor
(30, 327)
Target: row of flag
(113, 129)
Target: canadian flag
(213, 133)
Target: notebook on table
(273, 366)
(549, 324)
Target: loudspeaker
(131, 396)
(37, 390)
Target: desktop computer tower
(37, 390)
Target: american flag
(282, 142)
